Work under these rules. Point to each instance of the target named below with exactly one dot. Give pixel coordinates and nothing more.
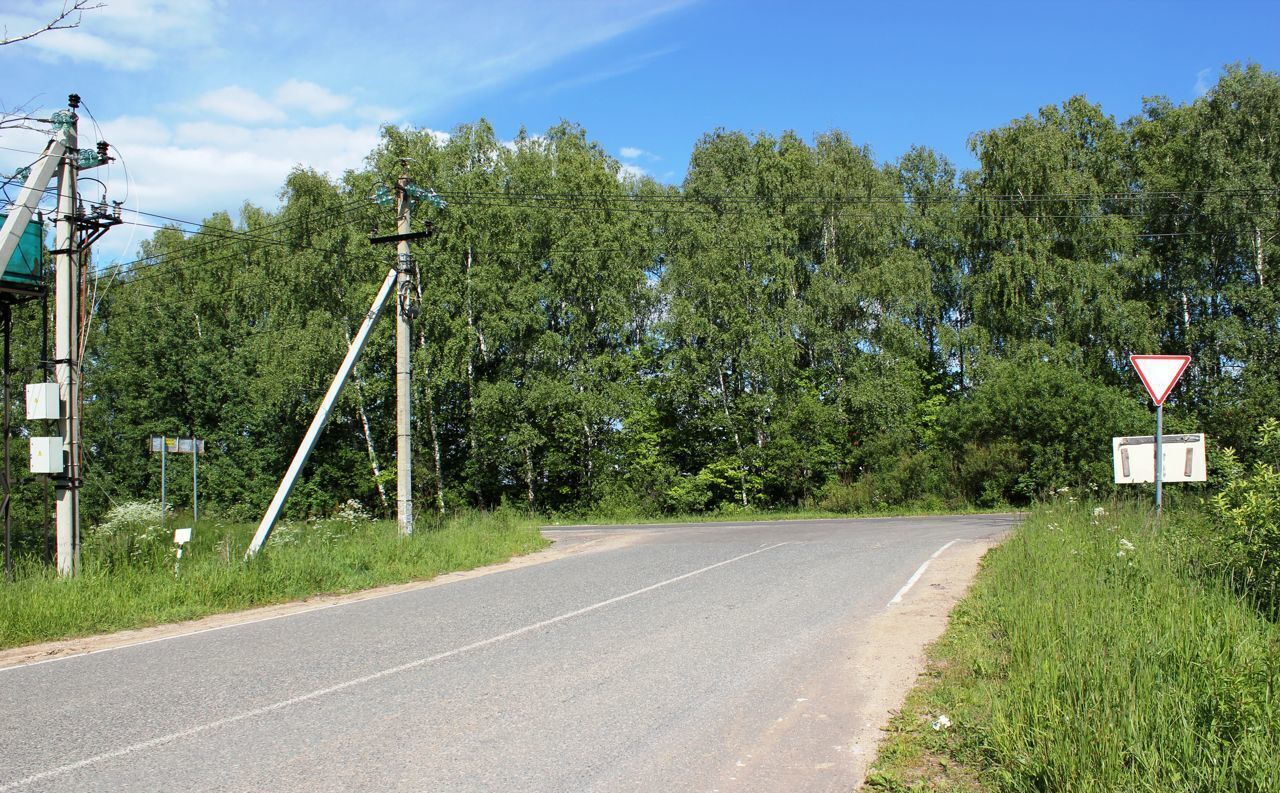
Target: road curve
(681, 659)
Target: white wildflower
(941, 723)
(1125, 544)
(1099, 512)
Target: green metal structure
(25, 273)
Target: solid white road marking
(175, 736)
(919, 572)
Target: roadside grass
(1091, 656)
(131, 584)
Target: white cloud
(315, 99)
(124, 35)
(84, 47)
(190, 170)
(627, 171)
(1203, 85)
(637, 153)
(239, 104)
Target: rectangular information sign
(1134, 459)
(177, 445)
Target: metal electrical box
(46, 455)
(43, 401)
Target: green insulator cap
(428, 195)
(63, 120)
(88, 158)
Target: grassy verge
(1089, 657)
(133, 585)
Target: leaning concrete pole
(322, 417)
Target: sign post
(192, 446)
(1159, 373)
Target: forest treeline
(795, 324)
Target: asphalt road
(660, 664)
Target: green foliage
(795, 323)
(1040, 419)
(1247, 531)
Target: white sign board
(181, 536)
(1134, 459)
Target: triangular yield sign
(1160, 373)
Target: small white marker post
(1159, 373)
(180, 538)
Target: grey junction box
(43, 401)
(46, 455)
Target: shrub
(131, 533)
(1247, 514)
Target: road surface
(707, 657)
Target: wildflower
(941, 723)
(1099, 512)
(1125, 544)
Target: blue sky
(211, 102)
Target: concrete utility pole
(66, 348)
(404, 436)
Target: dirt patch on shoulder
(887, 665)
(565, 544)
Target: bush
(1247, 517)
(1043, 408)
(131, 534)
(991, 473)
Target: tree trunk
(528, 475)
(427, 398)
(737, 439)
(471, 377)
(1259, 262)
(364, 427)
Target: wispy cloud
(241, 104)
(122, 35)
(626, 67)
(469, 47)
(636, 153)
(1203, 84)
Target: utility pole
(404, 437)
(66, 346)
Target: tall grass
(1088, 657)
(128, 581)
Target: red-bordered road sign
(1160, 373)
